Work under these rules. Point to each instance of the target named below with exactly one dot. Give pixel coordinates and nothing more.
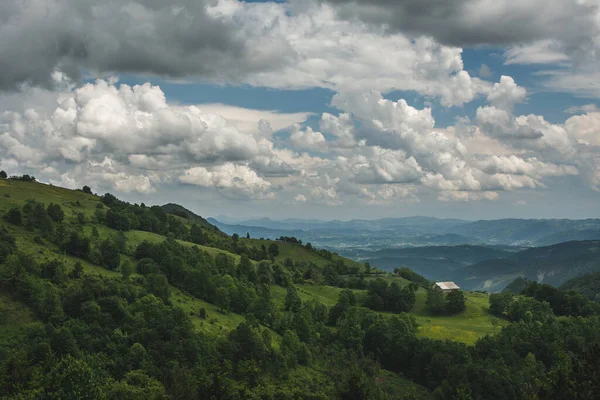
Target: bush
(14, 216)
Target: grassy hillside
(206, 315)
(474, 323)
(468, 326)
(289, 250)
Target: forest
(123, 335)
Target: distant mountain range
(491, 269)
(482, 255)
(419, 231)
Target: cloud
(168, 39)
(236, 179)
(478, 22)
(283, 46)
(258, 122)
(506, 93)
(586, 108)
(121, 135)
(546, 51)
(307, 139)
(467, 196)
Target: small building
(447, 286)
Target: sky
(331, 109)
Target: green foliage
(110, 254)
(74, 379)
(562, 302)
(98, 335)
(3, 175)
(588, 285)
(412, 276)
(517, 286)
(292, 299)
(455, 302)
(436, 301)
(273, 250)
(7, 244)
(126, 269)
(13, 216)
(55, 212)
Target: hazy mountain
(550, 264)
(420, 231)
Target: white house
(447, 286)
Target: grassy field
(474, 323)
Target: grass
(289, 250)
(215, 323)
(399, 387)
(136, 237)
(467, 327)
(14, 317)
(18, 192)
(329, 295)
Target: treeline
(539, 302)
(24, 178)
(390, 297)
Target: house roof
(447, 285)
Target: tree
(247, 235)
(86, 189)
(455, 302)
(196, 235)
(126, 269)
(245, 269)
(74, 379)
(436, 300)
(500, 303)
(110, 254)
(81, 218)
(55, 212)
(13, 216)
(273, 250)
(222, 299)
(3, 175)
(292, 299)
(77, 271)
(158, 285)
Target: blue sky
(332, 109)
